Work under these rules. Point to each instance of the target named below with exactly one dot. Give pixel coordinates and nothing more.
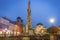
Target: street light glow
(52, 20)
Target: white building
(8, 26)
(7, 23)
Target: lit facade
(19, 25)
(8, 28)
(7, 23)
(40, 30)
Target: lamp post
(52, 20)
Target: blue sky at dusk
(41, 10)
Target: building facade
(13, 27)
(19, 23)
(40, 29)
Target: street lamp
(52, 20)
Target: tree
(53, 30)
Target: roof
(6, 18)
(13, 22)
(39, 24)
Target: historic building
(5, 23)
(13, 27)
(40, 29)
(20, 25)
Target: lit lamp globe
(52, 20)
